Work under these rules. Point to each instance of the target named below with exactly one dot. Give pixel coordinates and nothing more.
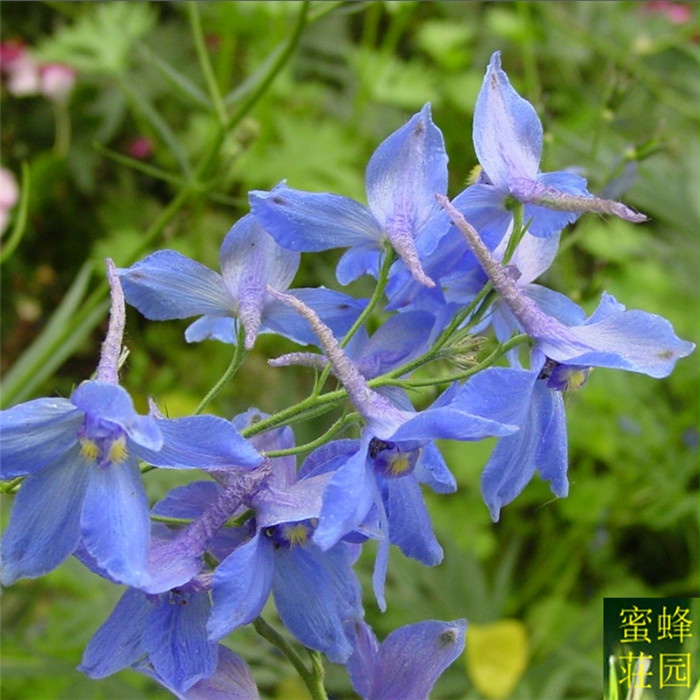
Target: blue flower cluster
(204, 560)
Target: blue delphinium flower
(408, 662)
(80, 461)
(508, 138)
(403, 175)
(168, 285)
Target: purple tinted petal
(176, 639)
(188, 501)
(507, 130)
(241, 585)
(202, 442)
(412, 658)
(115, 523)
(44, 526)
(168, 285)
(300, 501)
(312, 590)
(410, 528)
(361, 664)
(313, 221)
(231, 681)
(35, 433)
(117, 643)
(210, 327)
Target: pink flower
(56, 81)
(140, 148)
(9, 194)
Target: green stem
(312, 679)
(205, 64)
(236, 361)
(308, 446)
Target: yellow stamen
(399, 465)
(117, 450)
(89, 450)
(296, 534)
(474, 174)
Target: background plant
(228, 97)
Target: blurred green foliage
(616, 84)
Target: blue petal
(412, 658)
(231, 681)
(507, 130)
(337, 310)
(44, 524)
(409, 523)
(362, 259)
(514, 459)
(347, 499)
(212, 327)
(552, 456)
(117, 643)
(301, 501)
(533, 256)
(115, 523)
(176, 639)
(399, 339)
(168, 285)
(483, 206)
(188, 501)
(241, 586)
(556, 304)
(406, 172)
(313, 221)
(431, 469)
(202, 442)
(112, 403)
(35, 433)
(316, 594)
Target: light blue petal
(507, 130)
(337, 310)
(301, 501)
(311, 589)
(114, 522)
(241, 586)
(117, 643)
(201, 442)
(231, 681)
(250, 261)
(210, 327)
(347, 499)
(533, 256)
(167, 285)
(35, 433)
(405, 173)
(483, 206)
(44, 526)
(410, 528)
(552, 459)
(412, 658)
(176, 639)
(556, 304)
(313, 221)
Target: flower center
(564, 377)
(102, 442)
(291, 534)
(389, 460)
